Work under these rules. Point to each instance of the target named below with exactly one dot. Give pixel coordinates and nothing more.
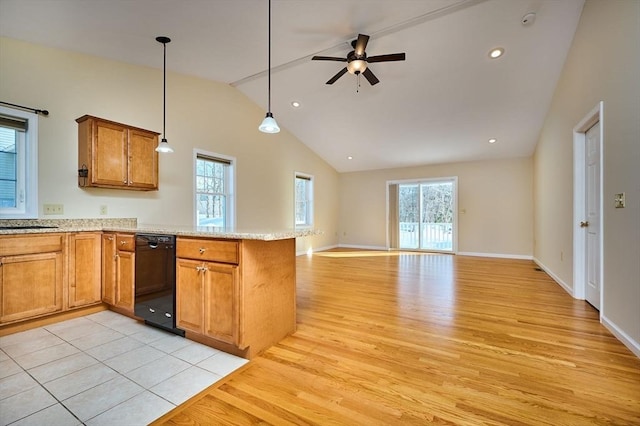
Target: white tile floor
(102, 369)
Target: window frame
(308, 223)
(230, 185)
(26, 167)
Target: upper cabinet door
(109, 160)
(143, 159)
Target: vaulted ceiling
(441, 105)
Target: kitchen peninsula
(235, 290)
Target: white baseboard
(504, 256)
(621, 335)
(556, 278)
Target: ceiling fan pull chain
(358, 83)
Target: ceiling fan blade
(361, 44)
(371, 78)
(337, 76)
(328, 58)
(387, 58)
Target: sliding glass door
(424, 215)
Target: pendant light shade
(164, 146)
(269, 124)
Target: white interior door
(592, 221)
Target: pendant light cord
(269, 74)
(164, 94)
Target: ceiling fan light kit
(358, 62)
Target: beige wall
(603, 65)
(497, 197)
(200, 114)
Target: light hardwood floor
(388, 338)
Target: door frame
(579, 204)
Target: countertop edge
(177, 231)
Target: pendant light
(269, 124)
(164, 146)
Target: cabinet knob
(123, 243)
(202, 250)
(110, 238)
(124, 181)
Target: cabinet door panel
(31, 285)
(109, 154)
(143, 159)
(189, 295)
(220, 304)
(84, 269)
(125, 279)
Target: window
(18, 164)
(422, 214)
(304, 200)
(214, 184)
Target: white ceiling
(440, 105)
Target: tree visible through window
(213, 191)
(426, 215)
(304, 200)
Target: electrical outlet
(53, 209)
(103, 210)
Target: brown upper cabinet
(116, 155)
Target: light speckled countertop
(131, 225)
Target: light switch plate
(619, 200)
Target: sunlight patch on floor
(373, 253)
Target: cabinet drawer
(125, 242)
(30, 244)
(211, 250)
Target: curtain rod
(37, 111)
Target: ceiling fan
(357, 60)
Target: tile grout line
(105, 324)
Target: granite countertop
(38, 226)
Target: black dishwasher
(155, 284)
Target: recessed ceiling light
(295, 104)
(496, 52)
(349, 158)
(493, 140)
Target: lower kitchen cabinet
(31, 276)
(206, 299)
(236, 295)
(118, 270)
(84, 269)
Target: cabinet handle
(122, 243)
(130, 182)
(110, 238)
(124, 181)
(202, 250)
